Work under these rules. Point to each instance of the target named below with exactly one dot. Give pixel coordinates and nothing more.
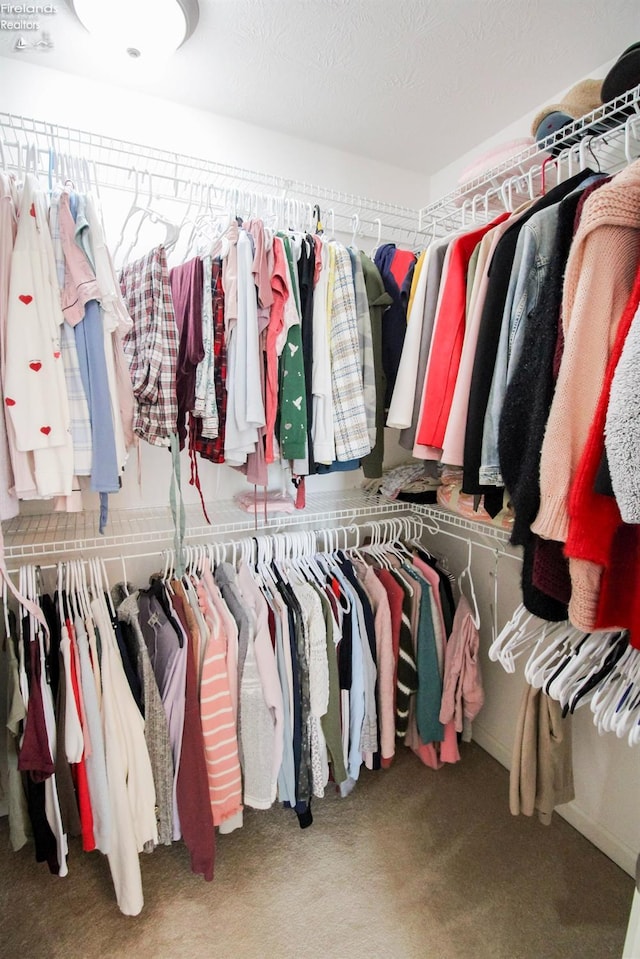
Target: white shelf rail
(435, 515)
(607, 139)
(132, 532)
(27, 143)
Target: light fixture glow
(144, 30)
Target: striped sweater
(218, 719)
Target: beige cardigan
(541, 775)
(598, 281)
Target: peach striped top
(218, 719)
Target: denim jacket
(534, 252)
(530, 266)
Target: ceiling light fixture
(143, 29)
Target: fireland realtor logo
(26, 24)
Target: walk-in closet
(319, 479)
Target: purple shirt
(186, 290)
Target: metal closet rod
(40, 139)
(381, 530)
(434, 516)
(336, 537)
(607, 129)
(498, 548)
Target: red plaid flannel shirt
(151, 347)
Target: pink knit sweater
(597, 285)
(594, 519)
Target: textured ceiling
(415, 83)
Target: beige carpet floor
(415, 864)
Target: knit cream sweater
(599, 277)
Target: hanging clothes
(208, 446)
(224, 689)
(541, 768)
(192, 784)
(447, 341)
(621, 428)
(245, 410)
(292, 389)
(81, 309)
(400, 408)
(594, 519)
(205, 403)
(365, 339)
(9, 455)
(116, 325)
(525, 411)
(609, 229)
(217, 713)
(350, 420)
(151, 348)
(156, 730)
(186, 283)
(129, 773)
(462, 694)
(35, 389)
(394, 266)
(435, 267)
(306, 285)
(489, 332)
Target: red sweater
(596, 533)
(448, 337)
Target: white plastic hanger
(5, 605)
(608, 699)
(623, 717)
(148, 213)
(523, 630)
(72, 591)
(168, 564)
(125, 585)
(104, 579)
(133, 209)
(467, 572)
(332, 232)
(573, 672)
(355, 226)
(84, 591)
(541, 664)
(378, 223)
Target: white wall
(446, 179)
(45, 94)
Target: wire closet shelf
(36, 145)
(133, 531)
(607, 139)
